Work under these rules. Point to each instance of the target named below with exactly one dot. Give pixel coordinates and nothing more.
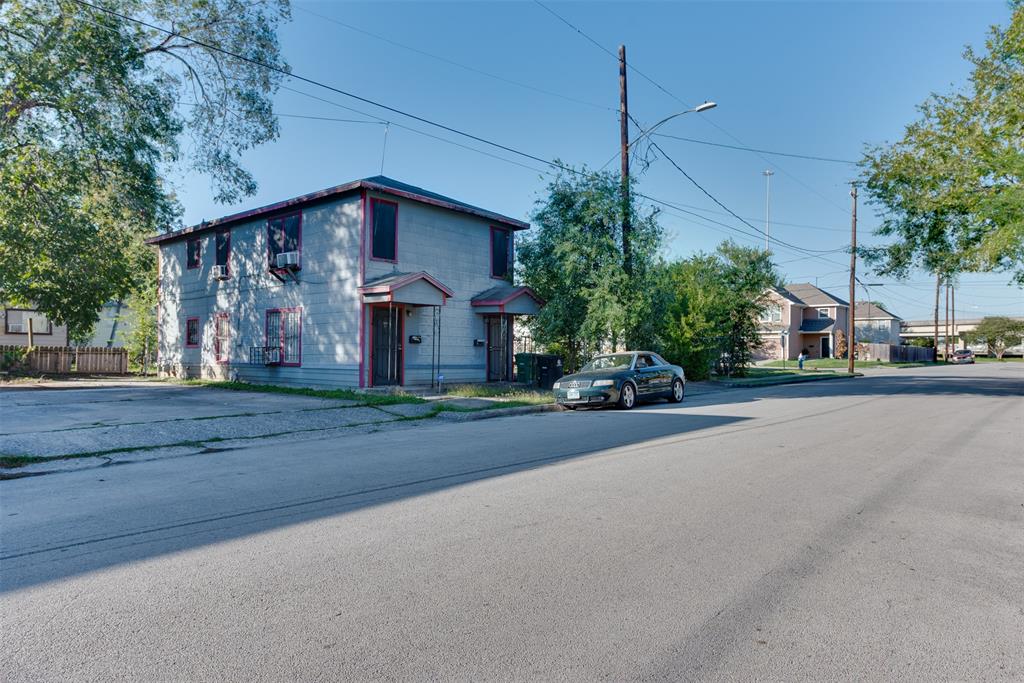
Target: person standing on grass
(800, 358)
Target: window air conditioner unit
(220, 273)
(288, 260)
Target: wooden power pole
(627, 256)
(851, 335)
(956, 337)
(945, 340)
(935, 339)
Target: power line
(320, 84)
(730, 211)
(758, 151)
(452, 62)
(687, 104)
(415, 117)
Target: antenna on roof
(384, 149)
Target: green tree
(93, 111)
(997, 333)
(574, 261)
(951, 191)
(716, 302)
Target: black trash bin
(548, 370)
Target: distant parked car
(621, 379)
(962, 357)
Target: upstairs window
(384, 226)
(823, 313)
(284, 332)
(16, 322)
(192, 332)
(224, 248)
(283, 234)
(193, 250)
(501, 252)
(772, 314)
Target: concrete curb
(453, 416)
(798, 379)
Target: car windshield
(616, 361)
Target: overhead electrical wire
(452, 62)
(758, 151)
(657, 85)
(430, 122)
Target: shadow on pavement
(63, 525)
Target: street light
(698, 109)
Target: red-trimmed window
(284, 332)
(224, 248)
(193, 252)
(284, 234)
(222, 337)
(16, 322)
(384, 227)
(192, 332)
(501, 252)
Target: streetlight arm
(699, 108)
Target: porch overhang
(507, 299)
(413, 289)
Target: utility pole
(935, 339)
(767, 208)
(945, 339)
(952, 295)
(852, 318)
(627, 256)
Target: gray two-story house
(370, 283)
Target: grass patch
(363, 398)
(988, 359)
(840, 363)
(510, 396)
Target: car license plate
(572, 394)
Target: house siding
(57, 337)
(452, 247)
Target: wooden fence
(890, 353)
(68, 359)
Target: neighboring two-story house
(370, 283)
(801, 317)
(875, 325)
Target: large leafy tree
(951, 191)
(996, 333)
(574, 260)
(95, 111)
(716, 301)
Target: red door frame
(508, 346)
(400, 308)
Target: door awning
(416, 289)
(507, 298)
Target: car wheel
(627, 396)
(678, 391)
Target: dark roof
(817, 325)
(866, 310)
(810, 295)
(393, 281)
(378, 183)
(503, 293)
(781, 291)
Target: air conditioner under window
(220, 273)
(288, 260)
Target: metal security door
(386, 349)
(497, 348)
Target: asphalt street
(849, 530)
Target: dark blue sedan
(621, 379)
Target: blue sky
(818, 79)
